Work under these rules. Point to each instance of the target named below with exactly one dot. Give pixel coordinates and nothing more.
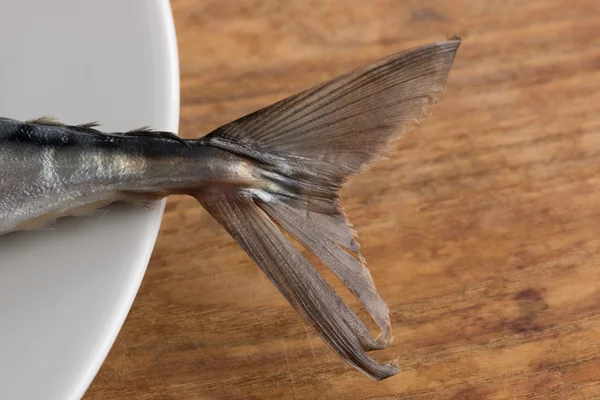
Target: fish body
(50, 170)
(278, 170)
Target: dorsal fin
(145, 128)
(53, 121)
(46, 120)
(89, 125)
(90, 129)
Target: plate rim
(100, 351)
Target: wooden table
(482, 231)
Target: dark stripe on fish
(150, 143)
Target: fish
(277, 171)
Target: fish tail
(304, 148)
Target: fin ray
(357, 113)
(324, 242)
(306, 290)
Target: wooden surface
(482, 231)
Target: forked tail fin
(305, 147)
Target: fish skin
(279, 169)
(49, 171)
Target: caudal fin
(305, 147)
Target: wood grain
(482, 231)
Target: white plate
(65, 293)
